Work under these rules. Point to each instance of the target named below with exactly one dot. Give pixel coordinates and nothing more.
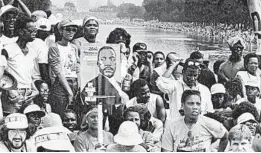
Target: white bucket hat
(16, 121)
(53, 138)
(217, 88)
(128, 134)
(54, 120)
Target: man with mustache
(14, 134)
(106, 85)
(235, 63)
(175, 88)
(193, 132)
(142, 95)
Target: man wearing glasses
(235, 63)
(193, 132)
(14, 134)
(20, 61)
(175, 88)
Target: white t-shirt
(68, 60)
(178, 138)
(175, 88)
(3, 62)
(6, 40)
(40, 50)
(151, 104)
(20, 65)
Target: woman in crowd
(87, 141)
(64, 65)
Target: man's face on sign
(107, 62)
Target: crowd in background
(159, 103)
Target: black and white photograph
(130, 75)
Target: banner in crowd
(89, 58)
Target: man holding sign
(106, 85)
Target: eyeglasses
(17, 131)
(33, 30)
(193, 63)
(249, 124)
(70, 29)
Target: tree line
(205, 12)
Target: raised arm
(161, 112)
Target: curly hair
(139, 108)
(245, 107)
(119, 35)
(235, 85)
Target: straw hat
(128, 134)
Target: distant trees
(199, 11)
(34, 5)
(68, 6)
(129, 10)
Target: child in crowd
(42, 98)
(240, 139)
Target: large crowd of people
(159, 103)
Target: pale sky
(60, 3)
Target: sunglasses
(70, 29)
(192, 63)
(44, 91)
(33, 30)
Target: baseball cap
(217, 88)
(246, 117)
(33, 108)
(86, 19)
(16, 121)
(139, 47)
(53, 138)
(39, 14)
(252, 83)
(8, 8)
(43, 24)
(65, 23)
